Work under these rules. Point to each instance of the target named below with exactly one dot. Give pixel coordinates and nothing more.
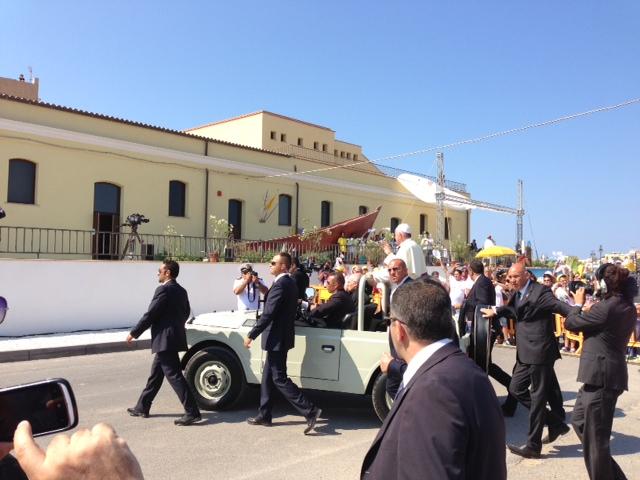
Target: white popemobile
(218, 367)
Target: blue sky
(391, 76)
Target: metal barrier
(106, 245)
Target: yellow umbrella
(495, 251)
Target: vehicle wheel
(215, 377)
(482, 339)
(382, 402)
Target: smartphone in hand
(49, 405)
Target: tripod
(129, 250)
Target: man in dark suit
(390, 363)
(276, 324)
(300, 277)
(532, 306)
(484, 293)
(435, 428)
(607, 327)
(339, 304)
(167, 314)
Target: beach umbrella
(495, 251)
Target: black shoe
(555, 432)
(311, 421)
(526, 451)
(259, 421)
(508, 410)
(137, 413)
(187, 419)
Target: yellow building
(270, 175)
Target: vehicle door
(316, 353)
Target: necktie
(518, 298)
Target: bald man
(532, 307)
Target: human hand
(87, 455)
(385, 360)
(580, 296)
(488, 312)
(385, 246)
(247, 342)
(129, 339)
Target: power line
(468, 141)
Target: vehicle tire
(215, 377)
(382, 402)
(482, 339)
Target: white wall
(53, 296)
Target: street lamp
(600, 250)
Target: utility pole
(439, 240)
(519, 216)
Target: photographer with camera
(248, 288)
(607, 326)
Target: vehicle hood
(231, 319)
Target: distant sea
(538, 272)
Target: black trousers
(274, 376)
(540, 379)
(167, 364)
(502, 377)
(592, 419)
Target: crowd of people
(435, 429)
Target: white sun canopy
(426, 189)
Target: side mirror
(3, 308)
(310, 293)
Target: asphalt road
(224, 446)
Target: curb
(72, 351)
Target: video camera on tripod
(135, 220)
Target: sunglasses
(390, 320)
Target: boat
(355, 227)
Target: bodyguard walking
(276, 324)
(533, 381)
(167, 314)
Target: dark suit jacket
(482, 293)
(441, 426)
(334, 309)
(302, 283)
(277, 320)
(607, 328)
(397, 366)
(536, 342)
(167, 314)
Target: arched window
(325, 213)
(177, 198)
(395, 221)
(284, 209)
(22, 181)
(106, 221)
(363, 210)
(447, 228)
(424, 224)
(235, 218)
